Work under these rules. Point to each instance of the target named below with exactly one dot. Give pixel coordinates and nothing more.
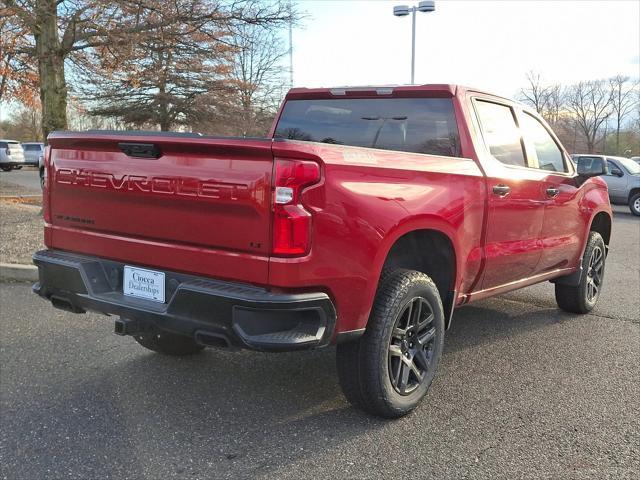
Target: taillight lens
(46, 187)
(291, 222)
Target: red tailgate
(193, 193)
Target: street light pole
(290, 6)
(425, 6)
(413, 45)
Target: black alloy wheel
(595, 273)
(411, 346)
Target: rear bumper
(212, 312)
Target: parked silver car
(623, 180)
(11, 155)
(32, 151)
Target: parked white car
(11, 155)
(32, 151)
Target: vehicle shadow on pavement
(491, 320)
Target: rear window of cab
(418, 125)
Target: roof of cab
(437, 89)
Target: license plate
(143, 283)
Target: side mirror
(617, 172)
(591, 167)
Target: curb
(18, 272)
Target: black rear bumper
(212, 312)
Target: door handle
(501, 190)
(552, 192)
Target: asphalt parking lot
(26, 177)
(524, 391)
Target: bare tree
(256, 73)
(59, 29)
(623, 102)
(590, 103)
(555, 104)
(536, 94)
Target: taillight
(46, 187)
(291, 222)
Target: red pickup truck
(363, 221)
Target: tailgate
(177, 189)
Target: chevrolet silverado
(363, 220)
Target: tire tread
(357, 361)
(571, 298)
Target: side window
(614, 170)
(501, 132)
(549, 154)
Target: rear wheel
(390, 368)
(583, 297)
(168, 343)
(634, 204)
(5, 169)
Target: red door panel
(513, 246)
(563, 226)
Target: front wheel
(634, 204)
(583, 297)
(390, 368)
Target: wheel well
(602, 224)
(633, 192)
(430, 252)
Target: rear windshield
(419, 125)
(31, 147)
(7, 144)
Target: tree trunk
(590, 145)
(165, 124)
(53, 87)
(163, 110)
(163, 100)
(618, 137)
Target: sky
(484, 44)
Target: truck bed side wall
(370, 198)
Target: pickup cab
(364, 220)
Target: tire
(168, 343)
(390, 368)
(583, 297)
(19, 167)
(42, 179)
(5, 169)
(634, 204)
